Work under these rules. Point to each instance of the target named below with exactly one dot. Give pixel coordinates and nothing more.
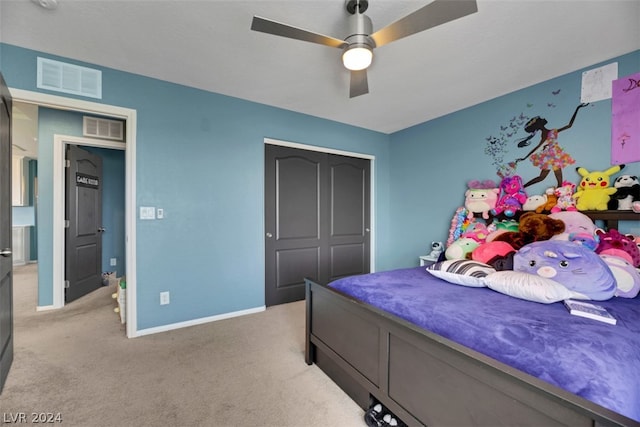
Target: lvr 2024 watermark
(31, 417)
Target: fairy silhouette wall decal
(547, 155)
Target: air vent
(103, 128)
(68, 78)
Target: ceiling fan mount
(361, 40)
(354, 6)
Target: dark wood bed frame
(426, 379)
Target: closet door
(316, 219)
(347, 216)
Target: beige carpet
(245, 371)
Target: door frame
(130, 117)
(60, 143)
(372, 214)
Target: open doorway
(55, 268)
(94, 201)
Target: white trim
(130, 115)
(45, 307)
(200, 321)
(372, 215)
(317, 148)
(59, 201)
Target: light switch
(147, 212)
(160, 213)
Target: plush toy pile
(530, 248)
(596, 191)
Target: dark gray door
(316, 217)
(83, 257)
(6, 260)
(347, 216)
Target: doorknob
(101, 230)
(6, 252)
(269, 235)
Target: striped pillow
(463, 272)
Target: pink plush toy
(512, 197)
(617, 244)
(575, 223)
(481, 197)
(565, 200)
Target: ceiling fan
(359, 44)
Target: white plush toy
(534, 202)
(436, 249)
(627, 193)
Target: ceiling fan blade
(268, 26)
(359, 85)
(435, 13)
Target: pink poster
(625, 123)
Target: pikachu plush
(595, 190)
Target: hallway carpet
(245, 371)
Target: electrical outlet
(164, 298)
(113, 262)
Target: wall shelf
(611, 218)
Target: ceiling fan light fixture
(357, 57)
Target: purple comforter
(595, 360)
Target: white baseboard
(195, 322)
(46, 307)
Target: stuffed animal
(497, 228)
(436, 250)
(533, 227)
(478, 232)
(552, 200)
(535, 203)
(613, 242)
(481, 200)
(461, 248)
(573, 266)
(488, 252)
(627, 192)
(595, 192)
(565, 201)
(574, 223)
(512, 196)
(585, 239)
(627, 277)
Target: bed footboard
(426, 379)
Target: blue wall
(431, 163)
(50, 123)
(200, 157)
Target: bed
(441, 354)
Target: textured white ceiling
(208, 44)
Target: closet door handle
(269, 235)
(6, 252)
